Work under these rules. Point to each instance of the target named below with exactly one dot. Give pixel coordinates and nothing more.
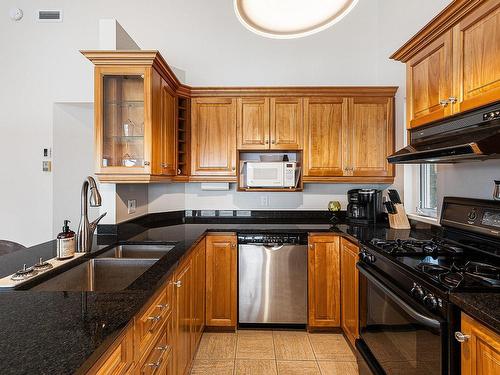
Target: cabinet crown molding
(445, 20)
(134, 58)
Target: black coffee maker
(365, 206)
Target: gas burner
(42, 265)
(24, 274)
(453, 279)
(485, 272)
(412, 246)
(432, 269)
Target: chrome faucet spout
(86, 229)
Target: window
(428, 190)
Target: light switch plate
(131, 206)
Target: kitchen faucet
(86, 229)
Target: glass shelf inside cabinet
(123, 121)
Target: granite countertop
(484, 307)
(65, 332)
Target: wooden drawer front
(157, 357)
(119, 359)
(149, 324)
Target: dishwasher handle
(273, 247)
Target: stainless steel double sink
(113, 270)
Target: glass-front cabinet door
(122, 131)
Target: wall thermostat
(16, 14)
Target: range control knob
(430, 301)
(471, 216)
(367, 257)
(417, 291)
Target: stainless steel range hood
(474, 135)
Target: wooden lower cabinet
(324, 281)
(349, 289)
(198, 293)
(480, 350)
(221, 280)
(119, 358)
(183, 286)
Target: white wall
(41, 65)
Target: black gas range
(407, 323)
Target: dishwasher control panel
(272, 238)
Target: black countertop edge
(484, 307)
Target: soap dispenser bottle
(66, 242)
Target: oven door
(398, 335)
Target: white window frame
(412, 187)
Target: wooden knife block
(399, 220)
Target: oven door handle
(429, 322)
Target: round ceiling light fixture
(286, 19)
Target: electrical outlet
(131, 205)
(46, 165)
(264, 200)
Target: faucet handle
(93, 224)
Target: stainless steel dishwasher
(272, 278)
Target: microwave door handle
(429, 322)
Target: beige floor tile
(207, 367)
(338, 368)
(292, 346)
(331, 347)
(255, 345)
(298, 368)
(255, 367)
(217, 346)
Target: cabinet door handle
(234, 168)
(147, 163)
(460, 337)
(443, 102)
(267, 141)
(273, 142)
(452, 99)
(178, 284)
(233, 245)
(179, 171)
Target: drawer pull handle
(461, 337)
(162, 306)
(178, 284)
(156, 365)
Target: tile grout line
(314, 353)
(275, 356)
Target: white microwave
(271, 174)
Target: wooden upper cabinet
(477, 57)
(324, 123)
(134, 116)
(286, 123)
(168, 129)
(324, 281)
(370, 136)
(349, 290)
(221, 282)
(480, 350)
(253, 123)
(429, 82)
(213, 137)
(453, 63)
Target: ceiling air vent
(49, 16)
